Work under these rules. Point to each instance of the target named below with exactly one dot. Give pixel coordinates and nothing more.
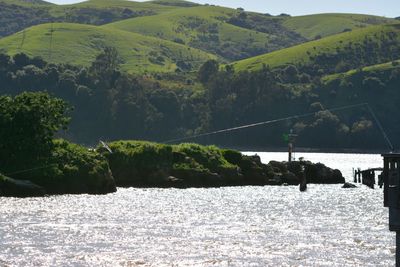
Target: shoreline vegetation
(141, 164)
(34, 163)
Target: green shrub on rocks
(147, 164)
(140, 163)
(209, 157)
(204, 166)
(72, 169)
(136, 163)
(203, 158)
(82, 170)
(232, 156)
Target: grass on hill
(28, 3)
(302, 54)
(179, 3)
(16, 15)
(108, 4)
(322, 25)
(374, 68)
(203, 27)
(80, 44)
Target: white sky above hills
(387, 8)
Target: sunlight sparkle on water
(242, 226)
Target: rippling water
(242, 226)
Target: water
(242, 226)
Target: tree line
(111, 105)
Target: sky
(387, 8)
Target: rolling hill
(177, 3)
(337, 53)
(80, 44)
(16, 15)
(321, 25)
(383, 67)
(231, 34)
(228, 34)
(208, 28)
(200, 27)
(149, 7)
(234, 34)
(28, 3)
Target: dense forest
(110, 104)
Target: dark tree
(208, 69)
(107, 62)
(28, 123)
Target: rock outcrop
(19, 188)
(349, 185)
(77, 170)
(145, 164)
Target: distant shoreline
(311, 150)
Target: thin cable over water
(284, 119)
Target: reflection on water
(242, 226)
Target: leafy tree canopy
(28, 123)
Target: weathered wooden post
(291, 139)
(391, 195)
(354, 176)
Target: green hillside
(322, 25)
(179, 3)
(369, 69)
(28, 3)
(16, 15)
(203, 27)
(232, 34)
(337, 53)
(80, 44)
(109, 4)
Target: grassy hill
(28, 3)
(179, 3)
(213, 29)
(322, 25)
(229, 34)
(152, 7)
(16, 15)
(337, 53)
(80, 44)
(234, 34)
(387, 66)
(206, 28)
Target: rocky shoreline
(146, 164)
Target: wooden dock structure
(367, 177)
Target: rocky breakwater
(146, 164)
(19, 188)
